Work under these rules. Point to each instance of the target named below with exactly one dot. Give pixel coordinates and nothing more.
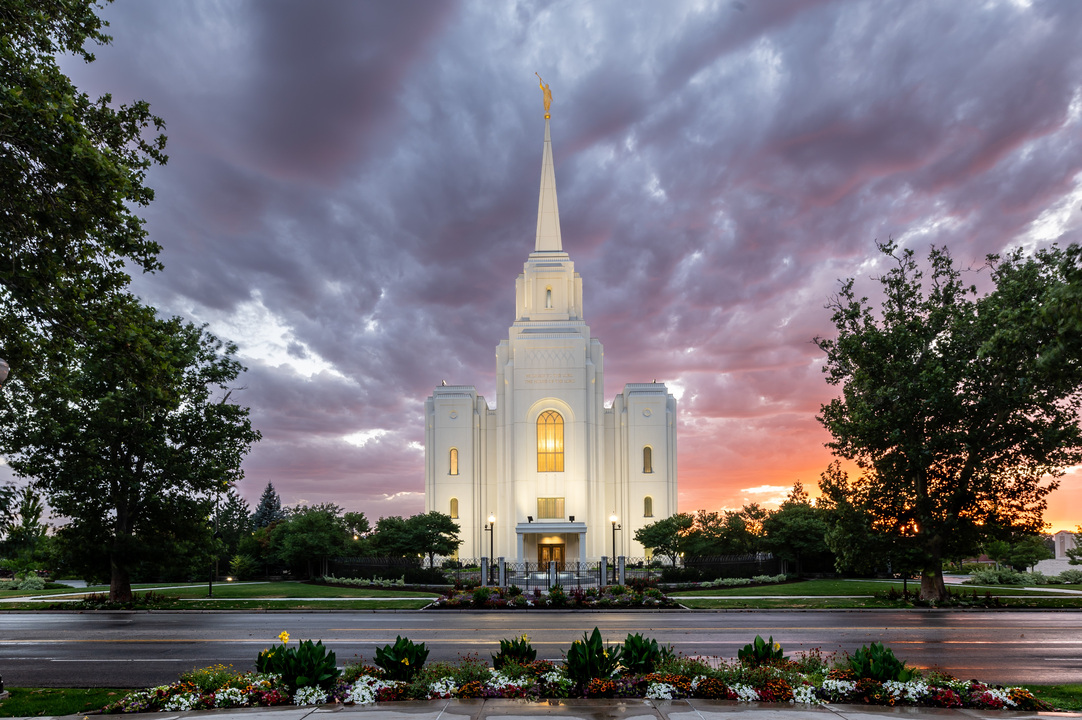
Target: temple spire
(548, 211)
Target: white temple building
(550, 473)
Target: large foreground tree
(132, 441)
(957, 407)
(72, 174)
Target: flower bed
(512, 598)
(639, 668)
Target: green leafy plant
(209, 679)
(557, 596)
(761, 652)
(877, 662)
(307, 665)
(517, 650)
(589, 658)
(642, 655)
(402, 660)
(481, 596)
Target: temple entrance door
(550, 553)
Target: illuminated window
(550, 442)
(548, 297)
(647, 459)
(647, 506)
(454, 461)
(550, 508)
(454, 508)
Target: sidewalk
(582, 709)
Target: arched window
(454, 508)
(548, 297)
(454, 461)
(647, 506)
(550, 442)
(647, 459)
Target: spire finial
(548, 95)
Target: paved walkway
(586, 710)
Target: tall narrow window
(550, 442)
(647, 506)
(647, 459)
(454, 461)
(454, 508)
(548, 297)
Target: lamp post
(490, 529)
(615, 527)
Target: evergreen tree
(269, 509)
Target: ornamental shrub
(309, 664)
(761, 652)
(642, 655)
(877, 662)
(402, 660)
(517, 650)
(589, 658)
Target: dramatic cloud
(352, 190)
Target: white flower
(839, 688)
(912, 691)
(310, 695)
(805, 694)
(230, 697)
(442, 688)
(364, 690)
(660, 691)
(745, 693)
(182, 701)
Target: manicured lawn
(291, 590)
(57, 701)
(272, 596)
(1064, 697)
(858, 587)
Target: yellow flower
(284, 637)
(406, 660)
(777, 646)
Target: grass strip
(861, 587)
(29, 702)
(1046, 602)
(1062, 697)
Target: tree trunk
(931, 576)
(119, 584)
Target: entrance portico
(566, 539)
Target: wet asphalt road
(125, 649)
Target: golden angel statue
(548, 94)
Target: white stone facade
(551, 463)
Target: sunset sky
(352, 190)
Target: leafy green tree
(1020, 552)
(269, 509)
(858, 546)
(433, 533)
(311, 534)
(1075, 553)
(132, 441)
(666, 536)
(733, 532)
(72, 173)
(392, 538)
(232, 523)
(797, 530)
(25, 547)
(956, 406)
